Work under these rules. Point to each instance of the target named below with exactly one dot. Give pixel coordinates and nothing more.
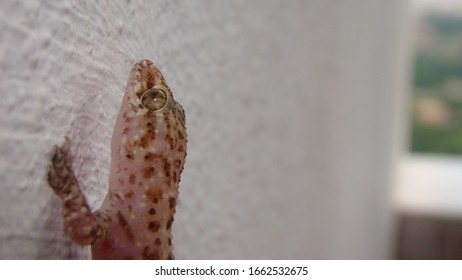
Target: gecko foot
(82, 226)
(60, 174)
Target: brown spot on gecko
(153, 195)
(150, 256)
(147, 138)
(130, 208)
(129, 155)
(166, 167)
(123, 223)
(157, 241)
(151, 134)
(121, 219)
(148, 115)
(180, 135)
(169, 140)
(67, 204)
(167, 122)
(126, 118)
(154, 226)
(132, 178)
(129, 194)
(151, 156)
(118, 196)
(143, 143)
(181, 148)
(169, 223)
(169, 241)
(152, 211)
(148, 172)
(126, 130)
(172, 202)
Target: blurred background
(318, 129)
(429, 189)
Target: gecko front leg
(82, 226)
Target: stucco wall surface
(290, 110)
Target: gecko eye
(154, 99)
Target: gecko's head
(148, 93)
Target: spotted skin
(147, 157)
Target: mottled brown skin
(148, 155)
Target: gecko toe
(60, 172)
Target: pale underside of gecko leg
(81, 225)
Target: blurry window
(437, 97)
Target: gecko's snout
(144, 76)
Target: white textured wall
(290, 109)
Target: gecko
(148, 152)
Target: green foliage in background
(438, 60)
(436, 139)
(433, 70)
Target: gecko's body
(148, 154)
